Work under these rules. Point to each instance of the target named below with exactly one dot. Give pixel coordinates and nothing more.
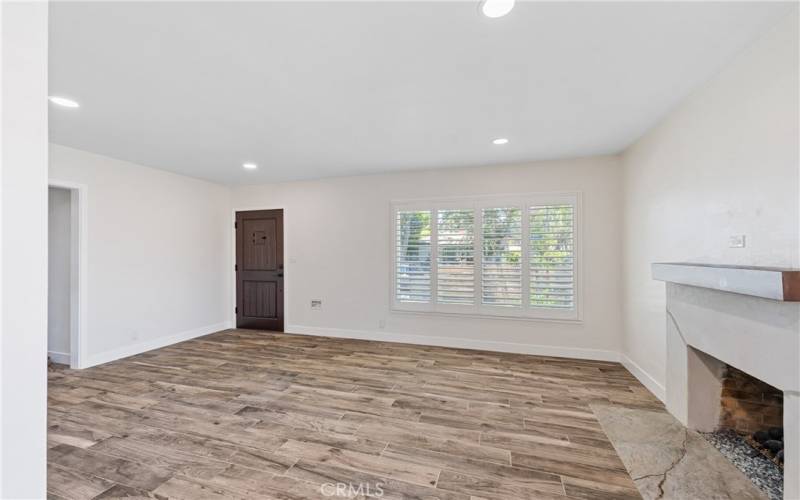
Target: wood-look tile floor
(248, 414)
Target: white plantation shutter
(552, 256)
(501, 258)
(455, 256)
(413, 256)
(507, 256)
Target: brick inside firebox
(748, 404)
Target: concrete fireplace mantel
(745, 317)
(765, 282)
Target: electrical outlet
(316, 304)
(736, 241)
(382, 324)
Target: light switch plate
(736, 241)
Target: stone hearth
(720, 316)
(667, 461)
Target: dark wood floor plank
(592, 490)
(162, 457)
(571, 468)
(404, 470)
(119, 491)
(539, 480)
(492, 488)
(327, 476)
(107, 467)
(72, 484)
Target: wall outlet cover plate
(736, 241)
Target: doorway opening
(66, 283)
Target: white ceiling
(317, 89)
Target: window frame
(477, 203)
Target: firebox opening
(754, 409)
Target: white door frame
(79, 269)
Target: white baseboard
(62, 358)
(645, 378)
(149, 345)
(489, 345)
(459, 343)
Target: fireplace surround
(720, 316)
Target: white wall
(158, 254)
(725, 162)
(59, 257)
(337, 238)
(23, 259)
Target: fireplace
(730, 327)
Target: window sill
(540, 319)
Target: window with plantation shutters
(552, 256)
(512, 256)
(413, 256)
(455, 256)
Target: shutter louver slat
(413, 256)
(552, 256)
(455, 260)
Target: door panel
(259, 269)
(260, 299)
(261, 252)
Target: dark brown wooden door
(259, 270)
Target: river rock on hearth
(776, 433)
(767, 474)
(761, 436)
(773, 445)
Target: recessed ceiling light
(496, 8)
(63, 101)
(500, 141)
(250, 166)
